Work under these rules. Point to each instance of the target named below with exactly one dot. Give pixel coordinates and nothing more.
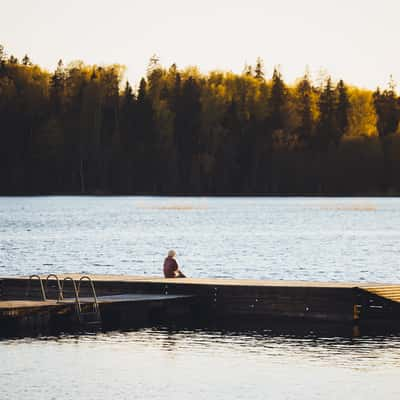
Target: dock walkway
(123, 297)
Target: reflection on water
(161, 363)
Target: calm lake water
(331, 239)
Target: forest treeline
(79, 130)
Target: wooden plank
(14, 304)
(204, 281)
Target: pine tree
(176, 93)
(142, 91)
(187, 124)
(146, 139)
(128, 94)
(259, 69)
(342, 111)
(154, 64)
(127, 118)
(230, 163)
(3, 58)
(388, 115)
(306, 129)
(277, 100)
(248, 70)
(387, 110)
(327, 126)
(26, 61)
(13, 60)
(57, 88)
(154, 80)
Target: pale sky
(357, 40)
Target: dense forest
(80, 130)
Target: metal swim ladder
(28, 289)
(92, 317)
(59, 289)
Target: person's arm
(179, 273)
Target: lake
(328, 239)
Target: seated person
(171, 269)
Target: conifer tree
(232, 168)
(57, 87)
(388, 115)
(176, 93)
(26, 61)
(342, 110)
(387, 110)
(128, 94)
(277, 100)
(187, 124)
(248, 70)
(3, 59)
(327, 126)
(13, 60)
(146, 156)
(306, 127)
(127, 117)
(259, 70)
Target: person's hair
(171, 253)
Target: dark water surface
(274, 238)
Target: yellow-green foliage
(362, 118)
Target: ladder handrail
(60, 294)
(41, 286)
(77, 302)
(95, 304)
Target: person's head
(172, 253)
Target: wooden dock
(131, 300)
